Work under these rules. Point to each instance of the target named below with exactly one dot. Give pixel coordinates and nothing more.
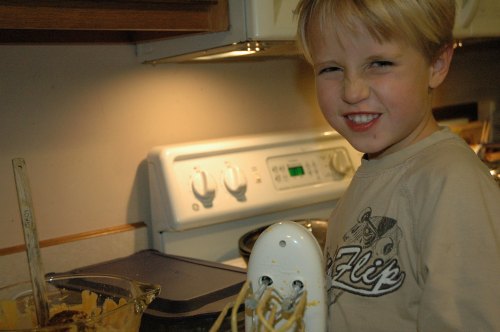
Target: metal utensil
(31, 241)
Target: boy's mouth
(361, 122)
(361, 119)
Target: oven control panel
(204, 183)
(308, 168)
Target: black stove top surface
(193, 292)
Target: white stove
(206, 195)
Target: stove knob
(235, 181)
(204, 187)
(340, 162)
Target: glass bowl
(80, 303)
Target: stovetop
(193, 292)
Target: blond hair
(426, 25)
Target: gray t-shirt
(414, 243)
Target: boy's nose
(355, 90)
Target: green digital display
(296, 171)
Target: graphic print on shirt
(367, 263)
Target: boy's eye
(328, 70)
(381, 64)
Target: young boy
(414, 244)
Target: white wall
(84, 118)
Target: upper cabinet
(53, 21)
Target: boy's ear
(439, 68)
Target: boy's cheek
(332, 117)
(327, 95)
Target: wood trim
(99, 16)
(75, 237)
(96, 21)
(185, 19)
(218, 18)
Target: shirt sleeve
(457, 215)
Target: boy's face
(377, 95)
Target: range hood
(258, 29)
(267, 28)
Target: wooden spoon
(31, 241)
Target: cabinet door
(104, 20)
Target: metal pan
(316, 226)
